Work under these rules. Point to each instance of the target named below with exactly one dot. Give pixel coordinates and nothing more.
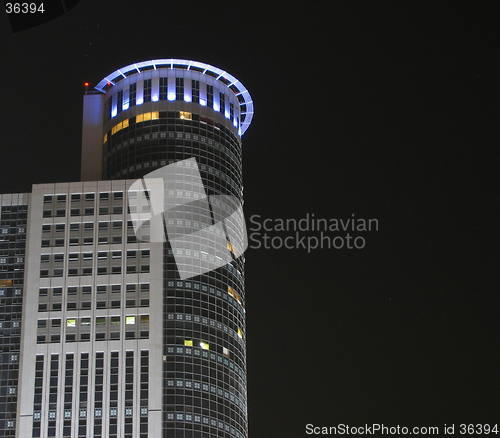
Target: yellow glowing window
(139, 118)
(188, 342)
(117, 128)
(204, 345)
(155, 115)
(71, 322)
(147, 116)
(185, 115)
(144, 319)
(130, 320)
(105, 138)
(125, 123)
(240, 334)
(5, 282)
(231, 248)
(234, 294)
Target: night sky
(385, 110)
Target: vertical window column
(84, 389)
(147, 90)
(195, 91)
(163, 88)
(222, 102)
(231, 113)
(98, 394)
(68, 395)
(129, 394)
(37, 397)
(110, 107)
(179, 88)
(53, 382)
(113, 395)
(132, 94)
(144, 394)
(210, 96)
(119, 102)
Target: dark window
(119, 103)
(196, 91)
(210, 96)
(163, 88)
(133, 91)
(222, 101)
(147, 90)
(110, 106)
(179, 88)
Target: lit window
(234, 294)
(204, 345)
(144, 319)
(225, 351)
(240, 334)
(185, 115)
(130, 320)
(188, 342)
(71, 322)
(231, 248)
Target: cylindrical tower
(154, 114)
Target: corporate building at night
(107, 329)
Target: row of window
(231, 295)
(98, 413)
(177, 91)
(208, 322)
(76, 197)
(13, 230)
(100, 289)
(85, 337)
(101, 270)
(102, 240)
(87, 211)
(87, 305)
(85, 226)
(203, 353)
(194, 418)
(177, 135)
(101, 255)
(207, 388)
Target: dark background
(387, 110)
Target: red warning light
(87, 84)
(109, 83)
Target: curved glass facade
(155, 114)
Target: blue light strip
(246, 116)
